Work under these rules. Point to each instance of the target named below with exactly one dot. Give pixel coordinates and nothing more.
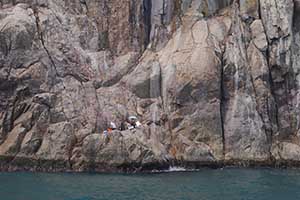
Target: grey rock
(212, 82)
(258, 35)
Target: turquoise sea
(208, 184)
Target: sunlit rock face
(212, 82)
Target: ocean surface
(208, 184)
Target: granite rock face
(213, 82)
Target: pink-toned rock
(212, 82)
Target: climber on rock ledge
(130, 124)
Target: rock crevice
(213, 83)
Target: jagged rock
(286, 151)
(13, 141)
(57, 142)
(45, 99)
(258, 35)
(277, 16)
(121, 148)
(211, 81)
(249, 8)
(245, 134)
(146, 82)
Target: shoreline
(7, 164)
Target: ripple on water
(205, 184)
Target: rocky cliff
(214, 83)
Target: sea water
(204, 184)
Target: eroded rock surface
(213, 82)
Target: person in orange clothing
(112, 126)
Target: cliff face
(213, 82)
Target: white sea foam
(174, 169)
